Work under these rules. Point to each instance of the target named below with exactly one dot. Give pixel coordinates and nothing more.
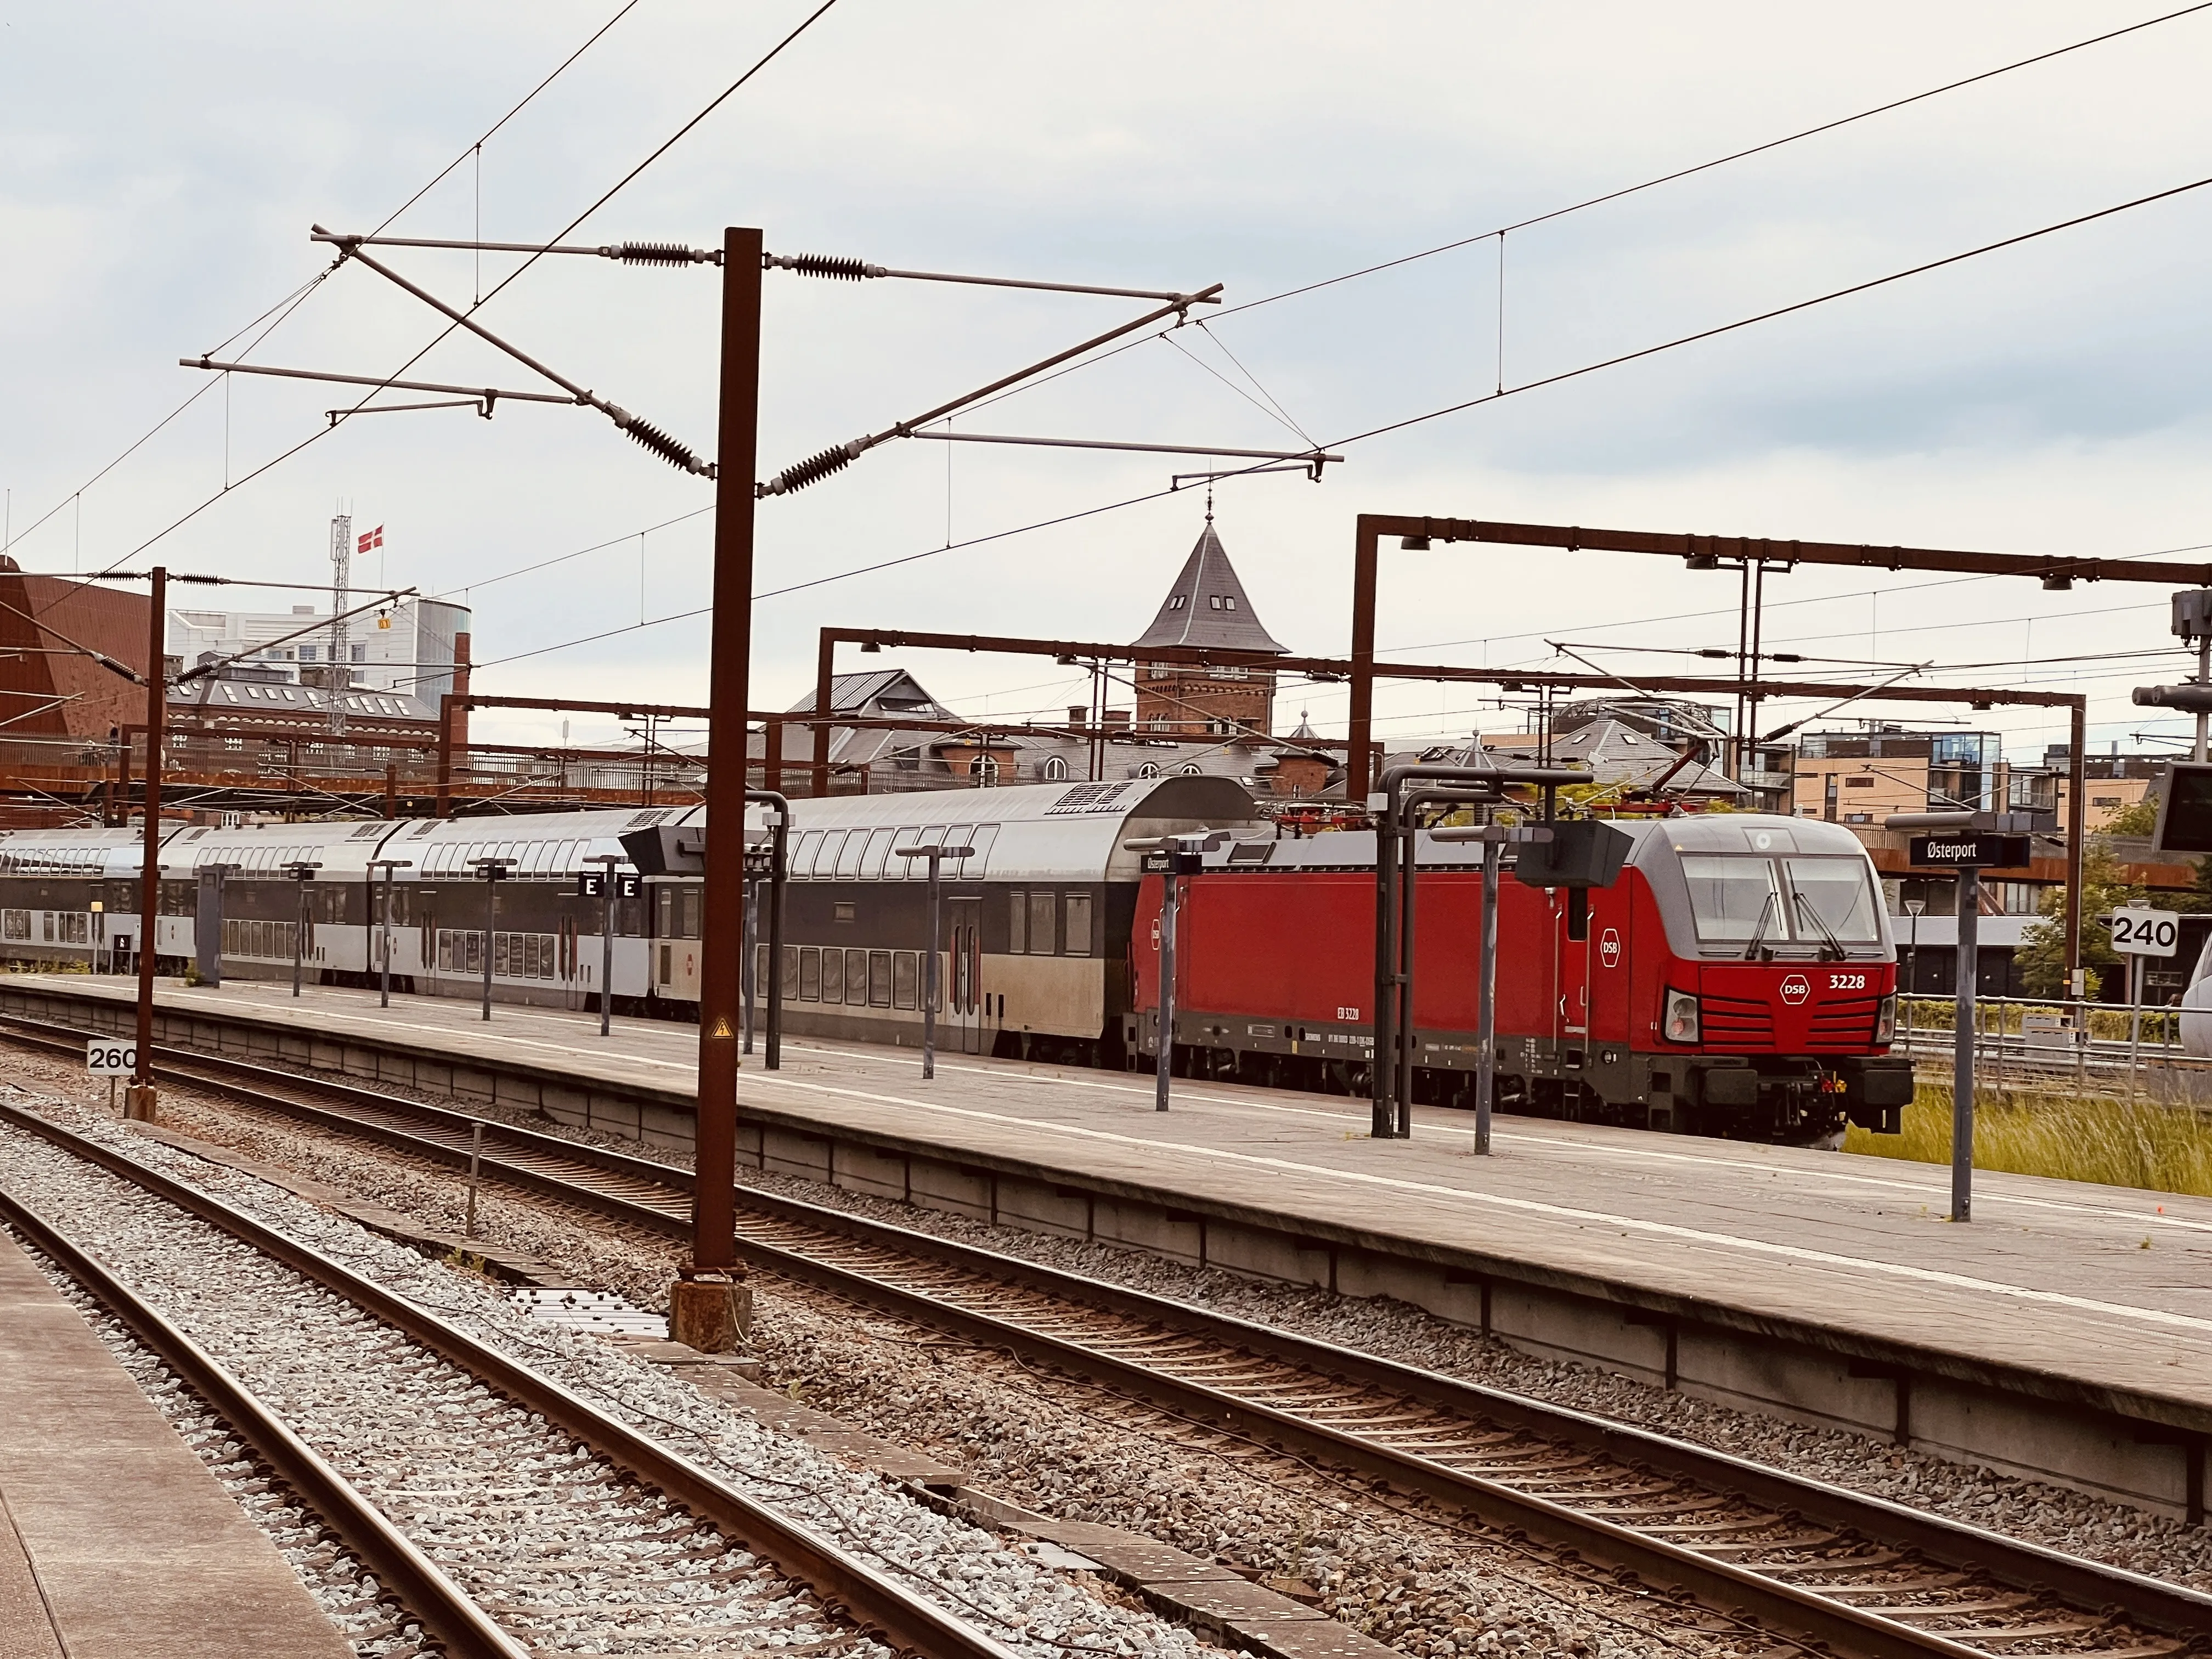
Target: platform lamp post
(936, 853)
(1174, 857)
(383, 941)
(609, 885)
(301, 870)
(1912, 908)
(777, 872)
(760, 868)
(491, 872)
(1495, 838)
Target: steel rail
(866, 1596)
(445, 1610)
(541, 1159)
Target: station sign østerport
(1975, 851)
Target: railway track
(505, 1512)
(1811, 1561)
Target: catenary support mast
(705, 1310)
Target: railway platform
(115, 1540)
(2065, 1333)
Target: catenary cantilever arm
(818, 467)
(661, 443)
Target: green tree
(2041, 957)
(2139, 819)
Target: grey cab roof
(1757, 832)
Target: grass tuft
(2114, 1143)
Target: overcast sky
(160, 166)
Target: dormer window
(1179, 601)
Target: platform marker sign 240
(110, 1057)
(2145, 933)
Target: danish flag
(369, 538)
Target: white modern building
(407, 649)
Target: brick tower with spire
(1206, 606)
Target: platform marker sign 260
(110, 1057)
(2145, 933)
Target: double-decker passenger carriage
(69, 898)
(1035, 943)
(1738, 979)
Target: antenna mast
(338, 677)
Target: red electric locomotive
(1739, 978)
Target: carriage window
(1044, 924)
(849, 861)
(692, 896)
(973, 869)
(856, 977)
(810, 973)
(833, 975)
(1836, 892)
(906, 972)
(1734, 898)
(790, 975)
(802, 856)
(879, 847)
(1078, 924)
(960, 834)
(664, 912)
(879, 979)
(1018, 919)
(825, 855)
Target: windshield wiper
(1758, 933)
(1806, 907)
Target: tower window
(1056, 768)
(1228, 601)
(1214, 600)
(1178, 602)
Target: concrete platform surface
(115, 1540)
(2105, 1293)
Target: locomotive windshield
(1735, 897)
(1833, 893)
(1738, 898)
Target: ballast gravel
(373, 1623)
(1403, 1574)
(2076, 1522)
(423, 1437)
(1422, 1589)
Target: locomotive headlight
(1885, 1019)
(1680, 1024)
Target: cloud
(159, 170)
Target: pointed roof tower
(1208, 605)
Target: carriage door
(963, 999)
(1577, 935)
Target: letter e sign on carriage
(1608, 947)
